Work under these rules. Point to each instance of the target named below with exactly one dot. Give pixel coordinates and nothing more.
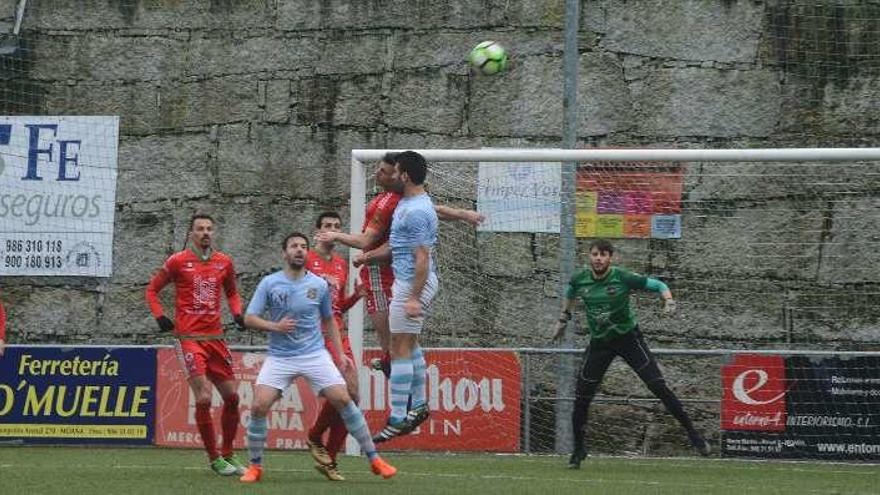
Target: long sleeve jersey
(197, 284)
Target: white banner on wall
(519, 197)
(57, 195)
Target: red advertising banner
(474, 398)
(754, 393)
(289, 419)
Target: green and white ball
(488, 58)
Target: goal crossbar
(642, 155)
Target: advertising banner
(289, 419)
(57, 195)
(612, 200)
(629, 200)
(77, 395)
(799, 407)
(474, 397)
(519, 197)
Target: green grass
(68, 471)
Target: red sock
(206, 428)
(336, 438)
(229, 421)
(323, 421)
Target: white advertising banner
(519, 197)
(57, 195)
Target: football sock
(357, 426)
(401, 385)
(229, 419)
(418, 379)
(256, 438)
(206, 429)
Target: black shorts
(630, 346)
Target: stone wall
(249, 109)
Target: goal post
(770, 251)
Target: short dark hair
(291, 236)
(326, 214)
(390, 157)
(603, 245)
(199, 216)
(414, 165)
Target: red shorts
(205, 357)
(377, 279)
(346, 347)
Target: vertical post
(527, 402)
(357, 202)
(567, 243)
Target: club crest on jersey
(611, 290)
(312, 293)
(280, 298)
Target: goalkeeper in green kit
(614, 331)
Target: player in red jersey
(322, 261)
(199, 274)
(2, 328)
(378, 278)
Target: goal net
(770, 254)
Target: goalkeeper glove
(165, 323)
(669, 307)
(239, 322)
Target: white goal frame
(359, 178)
(361, 158)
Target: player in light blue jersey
(411, 249)
(292, 305)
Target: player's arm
(422, 260)
(654, 285)
(329, 325)
(2, 329)
(352, 299)
(257, 306)
(636, 281)
(369, 237)
(564, 317)
(284, 325)
(233, 298)
(156, 284)
(381, 254)
(469, 216)
(568, 304)
(347, 302)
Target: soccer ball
(488, 58)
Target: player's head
(411, 168)
(601, 252)
(328, 221)
(294, 248)
(201, 230)
(385, 172)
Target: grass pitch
(67, 471)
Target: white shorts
(398, 321)
(317, 368)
